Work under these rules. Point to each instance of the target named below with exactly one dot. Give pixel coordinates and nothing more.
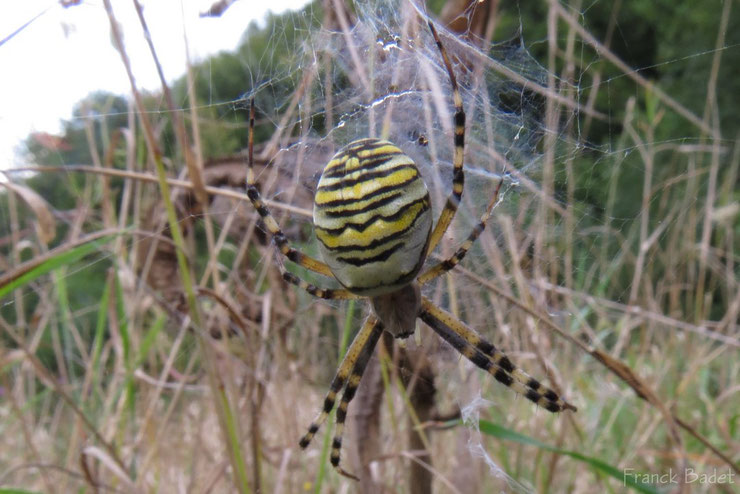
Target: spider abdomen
(372, 216)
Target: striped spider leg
(448, 264)
(467, 341)
(486, 356)
(348, 376)
(463, 338)
(458, 175)
(281, 241)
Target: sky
(63, 54)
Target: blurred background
(149, 344)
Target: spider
(372, 216)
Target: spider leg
(486, 356)
(278, 236)
(316, 291)
(451, 262)
(325, 293)
(458, 176)
(363, 343)
(349, 393)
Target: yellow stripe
(336, 162)
(362, 189)
(376, 230)
(349, 158)
(359, 204)
(386, 148)
(354, 172)
(326, 222)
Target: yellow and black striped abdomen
(372, 217)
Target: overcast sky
(66, 53)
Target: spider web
(382, 76)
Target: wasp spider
(373, 219)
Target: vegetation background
(148, 343)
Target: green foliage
(60, 259)
(223, 82)
(74, 276)
(654, 44)
(633, 481)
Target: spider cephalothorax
(373, 219)
(398, 310)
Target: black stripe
(460, 119)
(367, 164)
(503, 377)
(358, 146)
(534, 384)
(361, 145)
(459, 140)
(349, 392)
(336, 384)
(344, 212)
(506, 364)
(442, 329)
(447, 334)
(375, 243)
(481, 361)
(551, 395)
(280, 240)
(314, 290)
(383, 256)
(502, 374)
(364, 177)
(533, 395)
(361, 227)
(380, 191)
(351, 212)
(486, 347)
(291, 278)
(448, 264)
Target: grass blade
(61, 256)
(632, 480)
